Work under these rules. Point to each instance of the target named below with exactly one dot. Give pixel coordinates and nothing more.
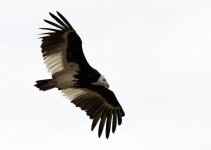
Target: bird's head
(101, 81)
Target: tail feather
(45, 85)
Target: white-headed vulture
(79, 82)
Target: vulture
(71, 73)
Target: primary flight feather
(79, 82)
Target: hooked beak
(107, 85)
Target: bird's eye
(104, 79)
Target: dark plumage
(71, 73)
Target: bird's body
(83, 85)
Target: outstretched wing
(99, 103)
(62, 46)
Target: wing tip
(51, 14)
(46, 20)
(58, 12)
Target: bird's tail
(45, 85)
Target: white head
(101, 81)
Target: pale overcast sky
(156, 56)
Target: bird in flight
(71, 73)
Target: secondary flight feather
(71, 73)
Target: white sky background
(156, 56)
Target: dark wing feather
(62, 46)
(102, 122)
(97, 118)
(65, 20)
(56, 30)
(108, 122)
(59, 21)
(54, 24)
(100, 105)
(114, 121)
